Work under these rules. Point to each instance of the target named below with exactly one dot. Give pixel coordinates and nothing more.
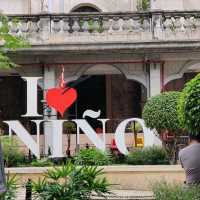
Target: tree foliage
(12, 154)
(9, 41)
(160, 112)
(189, 106)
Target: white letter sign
(31, 97)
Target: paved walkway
(117, 195)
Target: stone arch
(86, 5)
(108, 88)
(181, 71)
(84, 68)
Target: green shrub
(166, 191)
(118, 158)
(93, 156)
(160, 112)
(41, 163)
(136, 157)
(148, 156)
(71, 183)
(12, 154)
(189, 106)
(11, 188)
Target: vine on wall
(143, 5)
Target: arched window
(85, 8)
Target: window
(85, 9)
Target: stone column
(133, 5)
(49, 114)
(154, 79)
(62, 6)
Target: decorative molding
(181, 72)
(141, 78)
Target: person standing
(190, 160)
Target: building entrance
(116, 97)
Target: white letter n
(24, 136)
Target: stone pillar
(49, 114)
(133, 5)
(62, 6)
(50, 6)
(154, 79)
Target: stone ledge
(158, 46)
(123, 177)
(107, 169)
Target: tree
(160, 112)
(9, 41)
(189, 106)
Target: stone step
(128, 195)
(115, 195)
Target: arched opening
(85, 8)
(107, 89)
(188, 74)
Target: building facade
(124, 55)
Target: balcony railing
(108, 27)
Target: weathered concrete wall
(66, 6)
(14, 6)
(103, 5)
(191, 4)
(175, 4)
(167, 5)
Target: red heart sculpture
(61, 98)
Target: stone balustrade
(108, 27)
(176, 25)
